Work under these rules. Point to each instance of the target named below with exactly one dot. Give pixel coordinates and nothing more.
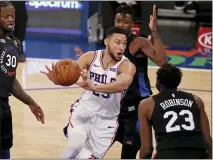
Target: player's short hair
(117, 30)
(169, 76)
(5, 4)
(124, 8)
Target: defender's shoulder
(199, 101)
(146, 107)
(146, 102)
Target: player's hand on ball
(49, 74)
(86, 83)
(79, 52)
(37, 111)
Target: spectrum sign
(58, 17)
(65, 5)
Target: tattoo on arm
(19, 93)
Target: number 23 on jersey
(188, 124)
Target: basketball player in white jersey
(93, 121)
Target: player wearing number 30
(178, 118)
(10, 49)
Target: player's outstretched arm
(158, 55)
(19, 93)
(145, 128)
(155, 52)
(204, 125)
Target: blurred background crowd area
(52, 30)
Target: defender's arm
(19, 93)
(204, 125)
(155, 52)
(145, 128)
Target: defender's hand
(153, 20)
(37, 111)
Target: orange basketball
(66, 72)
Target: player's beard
(112, 55)
(6, 31)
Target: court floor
(35, 140)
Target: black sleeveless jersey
(9, 56)
(140, 86)
(176, 121)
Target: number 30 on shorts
(170, 127)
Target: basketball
(66, 72)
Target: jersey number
(104, 95)
(11, 61)
(170, 127)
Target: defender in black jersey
(9, 58)
(138, 51)
(178, 118)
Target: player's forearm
(19, 93)
(114, 87)
(158, 45)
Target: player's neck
(168, 89)
(108, 61)
(4, 34)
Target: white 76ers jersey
(103, 104)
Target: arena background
(52, 29)
(55, 28)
